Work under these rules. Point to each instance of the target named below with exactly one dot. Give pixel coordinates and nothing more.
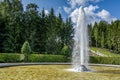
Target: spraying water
(80, 55)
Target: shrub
(26, 50)
(66, 51)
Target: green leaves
(26, 49)
(106, 35)
(45, 33)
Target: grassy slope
(104, 51)
(57, 72)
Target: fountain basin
(58, 72)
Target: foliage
(2, 32)
(46, 33)
(66, 52)
(26, 50)
(105, 60)
(10, 12)
(46, 58)
(11, 57)
(15, 57)
(105, 35)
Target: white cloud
(92, 16)
(90, 11)
(46, 12)
(74, 3)
(66, 9)
(105, 15)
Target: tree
(90, 34)
(67, 34)
(51, 34)
(11, 11)
(107, 35)
(41, 33)
(102, 25)
(31, 21)
(46, 33)
(102, 40)
(13, 40)
(118, 37)
(2, 33)
(95, 34)
(26, 50)
(32, 7)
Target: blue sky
(99, 9)
(48, 4)
(113, 6)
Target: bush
(46, 58)
(66, 51)
(105, 60)
(26, 50)
(5, 57)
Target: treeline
(105, 35)
(46, 33)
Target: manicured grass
(57, 72)
(104, 51)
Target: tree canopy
(106, 35)
(45, 33)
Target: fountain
(80, 55)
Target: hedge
(46, 58)
(105, 60)
(13, 57)
(8, 57)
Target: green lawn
(57, 72)
(104, 51)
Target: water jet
(80, 54)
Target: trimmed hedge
(8, 57)
(46, 58)
(14, 57)
(105, 60)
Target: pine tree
(11, 11)
(30, 23)
(95, 34)
(2, 33)
(90, 34)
